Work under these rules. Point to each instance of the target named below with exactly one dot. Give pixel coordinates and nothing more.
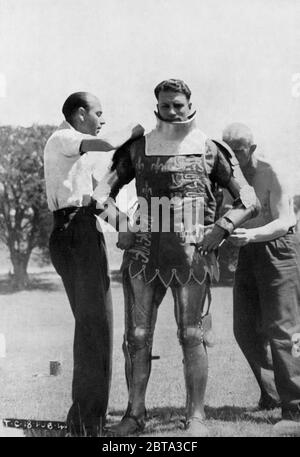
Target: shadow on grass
(173, 417)
(47, 282)
(169, 421)
(228, 413)
(50, 282)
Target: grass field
(38, 327)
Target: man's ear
(252, 148)
(81, 114)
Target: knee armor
(138, 338)
(191, 336)
(194, 335)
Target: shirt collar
(65, 125)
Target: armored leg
(141, 303)
(189, 302)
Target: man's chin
(177, 119)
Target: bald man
(267, 285)
(78, 252)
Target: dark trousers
(78, 254)
(267, 314)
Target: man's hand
(125, 240)
(212, 239)
(241, 237)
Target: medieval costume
(179, 165)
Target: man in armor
(175, 165)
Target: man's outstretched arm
(113, 140)
(281, 207)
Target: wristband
(226, 224)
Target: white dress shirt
(69, 175)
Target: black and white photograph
(149, 221)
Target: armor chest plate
(180, 176)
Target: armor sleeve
(120, 173)
(122, 170)
(227, 174)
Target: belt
(65, 215)
(66, 211)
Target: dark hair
(174, 85)
(73, 102)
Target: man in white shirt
(78, 251)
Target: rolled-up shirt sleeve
(69, 142)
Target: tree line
(25, 221)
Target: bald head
(83, 111)
(75, 101)
(238, 132)
(240, 138)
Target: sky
(238, 57)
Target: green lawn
(38, 326)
